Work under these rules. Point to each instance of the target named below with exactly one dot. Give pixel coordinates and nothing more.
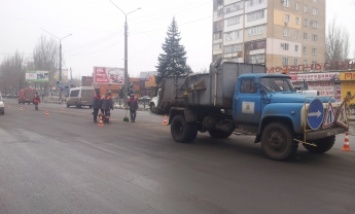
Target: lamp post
(60, 60)
(126, 82)
(60, 64)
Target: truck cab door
(247, 102)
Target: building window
(284, 61)
(217, 35)
(217, 3)
(287, 18)
(233, 21)
(305, 22)
(257, 59)
(295, 62)
(217, 46)
(297, 20)
(296, 34)
(285, 46)
(305, 35)
(314, 51)
(256, 30)
(304, 50)
(315, 11)
(255, 2)
(220, 12)
(218, 26)
(286, 32)
(230, 49)
(260, 14)
(231, 36)
(305, 9)
(233, 7)
(296, 48)
(297, 6)
(314, 24)
(314, 64)
(314, 37)
(286, 3)
(315, 1)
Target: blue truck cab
(268, 106)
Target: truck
(243, 98)
(26, 95)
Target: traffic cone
(346, 146)
(165, 120)
(21, 109)
(62, 109)
(101, 123)
(46, 113)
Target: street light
(125, 48)
(60, 60)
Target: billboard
(37, 76)
(107, 75)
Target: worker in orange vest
(36, 100)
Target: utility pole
(60, 62)
(126, 81)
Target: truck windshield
(276, 84)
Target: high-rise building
(277, 33)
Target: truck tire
(152, 108)
(323, 145)
(277, 141)
(181, 131)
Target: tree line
(14, 67)
(172, 62)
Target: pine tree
(173, 61)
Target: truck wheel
(277, 141)
(181, 131)
(218, 134)
(323, 145)
(152, 108)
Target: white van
(80, 96)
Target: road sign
(315, 114)
(329, 117)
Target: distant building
(280, 33)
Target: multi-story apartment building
(277, 33)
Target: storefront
(347, 79)
(326, 83)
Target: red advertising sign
(106, 75)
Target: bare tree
(45, 57)
(337, 43)
(12, 75)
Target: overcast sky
(97, 29)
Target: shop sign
(318, 76)
(347, 76)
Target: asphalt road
(57, 161)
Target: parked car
(2, 106)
